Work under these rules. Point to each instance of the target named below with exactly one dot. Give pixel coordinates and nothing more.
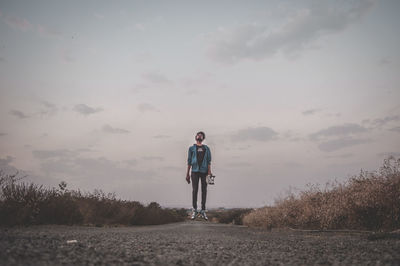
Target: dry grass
(369, 201)
(28, 203)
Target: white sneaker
(204, 215)
(194, 214)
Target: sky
(109, 95)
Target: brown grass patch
(369, 201)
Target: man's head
(200, 136)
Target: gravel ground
(190, 243)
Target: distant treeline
(369, 201)
(228, 216)
(28, 204)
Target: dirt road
(189, 243)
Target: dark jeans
(195, 185)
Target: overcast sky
(110, 94)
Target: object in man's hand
(210, 179)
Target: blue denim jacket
(192, 159)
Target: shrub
(154, 214)
(26, 204)
(368, 201)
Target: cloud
(311, 111)
(242, 148)
(257, 134)
(385, 61)
(156, 77)
(18, 23)
(100, 171)
(291, 136)
(24, 25)
(340, 136)
(319, 110)
(6, 167)
(58, 153)
(86, 110)
(113, 130)
(46, 31)
(130, 162)
(18, 114)
(299, 31)
(139, 87)
(387, 154)
(379, 122)
(144, 107)
(333, 114)
(340, 130)
(2, 134)
(6, 160)
(395, 129)
(340, 143)
(48, 108)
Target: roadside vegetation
(30, 204)
(368, 201)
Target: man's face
(199, 137)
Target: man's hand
(188, 178)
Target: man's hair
(202, 133)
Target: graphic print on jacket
(200, 154)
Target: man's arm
(209, 161)
(187, 174)
(189, 161)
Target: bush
(369, 201)
(154, 214)
(26, 204)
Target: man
(199, 159)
